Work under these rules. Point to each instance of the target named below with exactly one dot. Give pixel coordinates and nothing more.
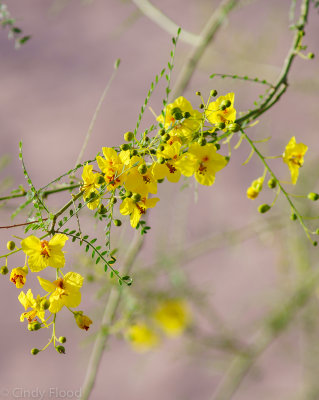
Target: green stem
(45, 193)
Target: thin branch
(26, 223)
(92, 123)
(209, 31)
(44, 194)
(282, 81)
(111, 307)
(165, 23)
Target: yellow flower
(141, 337)
(91, 183)
(215, 115)
(82, 321)
(28, 301)
(255, 188)
(43, 253)
(186, 128)
(169, 169)
(173, 316)
(18, 277)
(113, 167)
(203, 161)
(136, 209)
(294, 157)
(140, 183)
(65, 291)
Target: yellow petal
(46, 285)
(74, 279)
(30, 245)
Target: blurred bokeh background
(208, 243)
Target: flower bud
(136, 197)
(213, 93)
(125, 147)
(134, 152)
(35, 351)
(222, 107)
(310, 56)
(100, 180)
(34, 326)
(113, 200)
(198, 94)
(293, 217)
(4, 270)
(176, 110)
(272, 183)
(142, 169)
(313, 196)
(186, 114)
(166, 137)
(11, 245)
(263, 208)
(60, 349)
(102, 209)
(153, 151)
(233, 127)
(225, 103)
(221, 125)
(160, 180)
(62, 339)
(128, 193)
(117, 222)
(178, 116)
(161, 160)
(162, 132)
(315, 243)
(82, 321)
(202, 106)
(128, 136)
(202, 141)
(45, 304)
(217, 145)
(161, 147)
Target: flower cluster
(185, 144)
(64, 290)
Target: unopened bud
(233, 127)
(293, 217)
(142, 169)
(128, 136)
(134, 152)
(162, 132)
(313, 196)
(100, 180)
(198, 94)
(161, 160)
(136, 197)
(217, 145)
(11, 245)
(34, 351)
(62, 339)
(125, 147)
(45, 304)
(60, 349)
(310, 56)
(213, 93)
(272, 183)
(186, 114)
(113, 200)
(263, 208)
(221, 125)
(166, 137)
(117, 222)
(102, 209)
(202, 141)
(4, 270)
(128, 193)
(202, 106)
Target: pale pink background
(49, 91)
